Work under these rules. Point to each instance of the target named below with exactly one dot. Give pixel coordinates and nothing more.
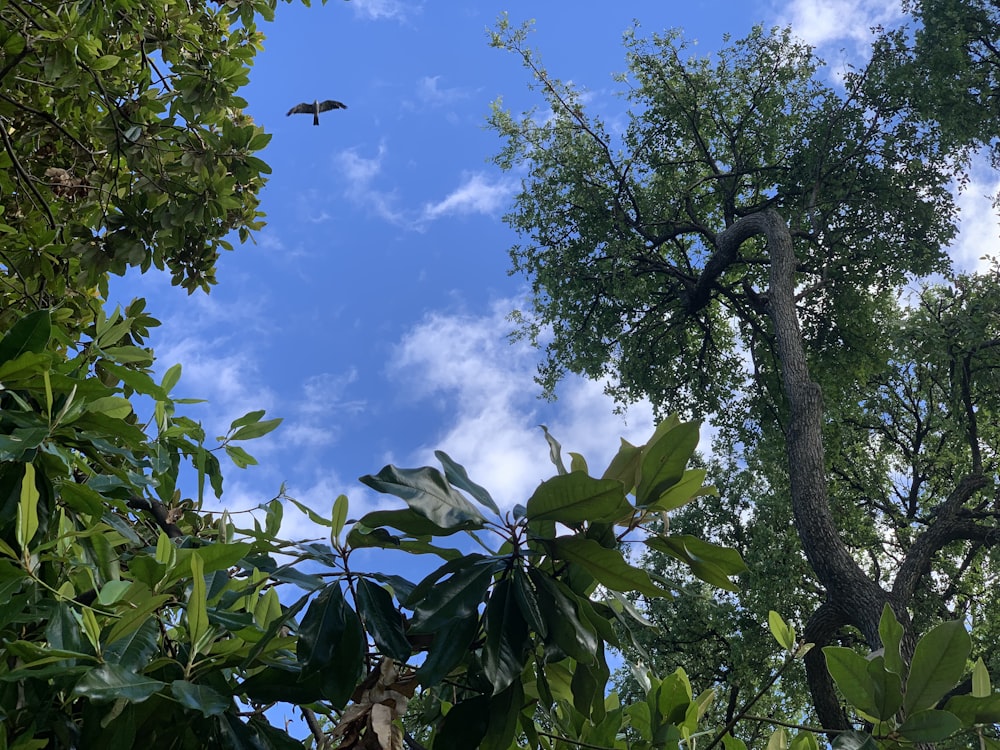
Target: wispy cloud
(360, 173)
(979, 225)
(384, 10)
(430, 92)
(827, 23)
(468, 363)
(477, 194)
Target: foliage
(738, 247)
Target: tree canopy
(132, 614)
(738, 247)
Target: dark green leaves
(332, 644)
(382, 620)
(110, 682)
(607, 566)
(426, 491)
(575, 498)
(28, 335)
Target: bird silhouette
(315, 108)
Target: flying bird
(315, 108)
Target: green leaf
(427, 492)
(331, 644)
(450, 646)
(111, 682)
(980, 680)
(690, 486)
(887, 689)
(382, 620)
(607, 566)
(457, 597)
(804, 741)
(972, 710)
(338, 516)
(782, 632)
(937, 666)
(711, 563)
(930, 725)
(255, 430)
(29, 334)
(891, 633)
(505, 714)
(664, 461)
(170, 378)
(134, 650)
(105, 62)
(27, 508)
(849, 670)
(528, 602)
(313, 516)
(412, 523)
(624, 467)
(575, 498)
(505, 649)
(567, 628)
(778, 740)
(197, 607)
(240, 457)
(855, 741)
(200, 698)
(458, 477)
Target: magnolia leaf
(930, 725)
(783, 633)
(664, 461)
(110, 682)
(457, 597)
(457, 475)
(980, 680)
(29, 334)
(937, 666)
(849, 670)
(505, 649)
(338, 516)
(606, 565)
(382, 620)
(891, 633)
(27, 508)
(200, 698)
(427, 492)
(576, 498)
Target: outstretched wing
(304, 108)
(330, 104)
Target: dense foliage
(133, 615)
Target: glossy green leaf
(575, 498)
(624, 467)
(506, 644)
(929, 725)
(854, 741)
(197, 608)
(382, 620)
(849, 670)
(110, 682)
(457, 597)
(200, 698)
(240, 457)
(778, 740)
(664, 461)
(505, 716)
(891, 633)
(937, 665)
(427, 492)
(256, 429)
(975, 710)
(980, 680)
(465, 725)
(273, 685)
(690, 486)
(338, 516)
(782, 632)
(451, 645)
(29, 334)
(412, 523)
(607, 566)
(134, 649)
(313, 516)
(887, 689)
(711, 563)
(527, 600)
(27, 508)
(332, 644)
(457, 476)
(572, 633)
(804, 741)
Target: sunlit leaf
(427, 492)
(110, 682)
(937, 665)
(575, 498)
(606, 565)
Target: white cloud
(825, 23)
(468, 364)
(360, 173)
(476, 194)
(979, 225)
(377, 10)
(430, 93)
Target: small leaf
(782, 633)
(197, 608)
(240, 457)
(255, 430)
(313, 516)
(27, 508)
(105, 62)
(338, 517)
(980, 680)
(555, 450)
(855, 741)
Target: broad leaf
(465, 725)
(937, 666)
(457, 476)
(29, 334)
(382, 620)
(450, 646)
(506, 644)
(930, 725)
(887, 689)
(332, 644)
(664, 461)
(200, 698)
(607, 566)
(854, 741)
(849, 670)
(457, 597)
(575, 498)
(111, 682)
(891, 633)
(427, 492)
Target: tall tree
(739, 242)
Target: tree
(737, 248)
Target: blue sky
(371, 313)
